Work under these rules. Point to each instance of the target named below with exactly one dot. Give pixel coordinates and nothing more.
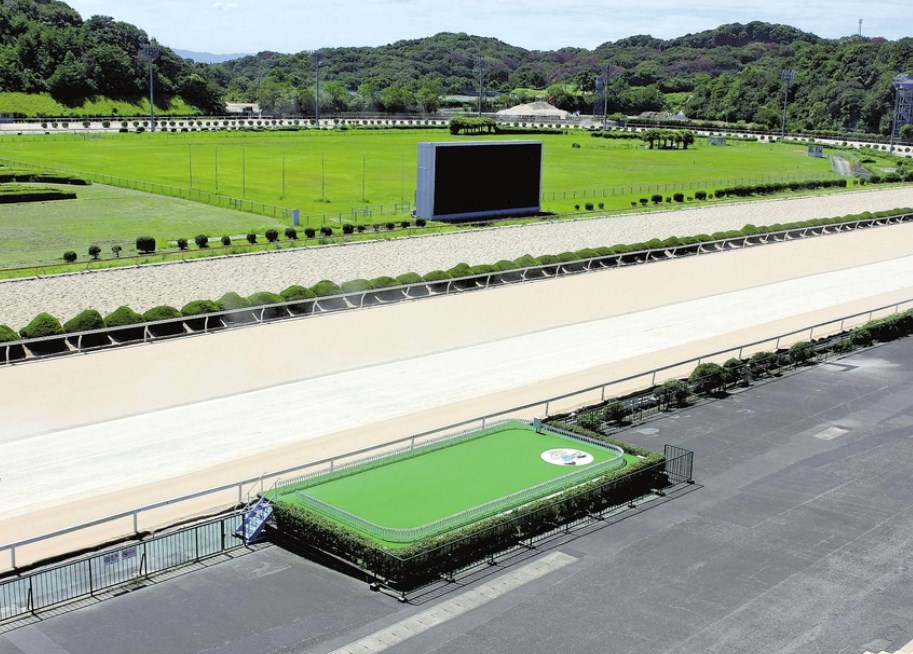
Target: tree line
(731, 74)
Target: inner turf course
(442, 481)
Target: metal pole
(787, 76)
(481, 88)
(317, 87)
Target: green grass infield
(425, 492)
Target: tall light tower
(151, 51)
(787, 75)
(903, 105)
(317, 62)
(481, 83)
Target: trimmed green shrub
(355, 286)
(801, 353)
(413, 278)
(94, 251)
(762, 363)
(124, 316)
(116, 249)
(251, 238)
(437, 280)
(291, 233)
(708, 378)
(384, 286)
(348, 228)
(674, 392)
(616, 412)
(200, 308)
(10, 352)
(87, 320)
(69, 256)
(325, 287)
(182, 244)
(310, 232)
(736, 372)
(326, 231)
(163, 312)
(233, 302)
(41, 326)
(145, 244)
(420, 222)
(267, 299)
(304, 296)
(226, 240)
(202, 241)
(272, 235)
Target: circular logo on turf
(567, 457)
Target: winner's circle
(567, 457)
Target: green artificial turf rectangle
(499, 468)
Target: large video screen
(462, 181)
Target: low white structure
(534, 110)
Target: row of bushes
(41, 178)
(438, 279)
(148, 244)
(742, 191)
(712, 379)
(19, 194)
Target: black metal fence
(87, 576)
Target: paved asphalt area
(798, 537)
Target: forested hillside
(731, 74)
(45, 46)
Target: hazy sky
(239, 26)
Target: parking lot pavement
(798, 537)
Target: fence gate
(679, 464)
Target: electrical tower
(903, 105)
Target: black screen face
(491, 177)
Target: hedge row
(410, 566)
(742, 191)
(436, 279)
(712, 379)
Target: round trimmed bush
(145, 244)
(85, 321)
(291, 233)
(69, 256)
(438, 280)
(708, 378)
(94, 251)
(200, 308)
(182, 244)
(384, 286)
(122, 317)
(251, 238)
(42, 326)
(325, 288)
(226, 240)
(202, 241)
(355, 286)
(310, 232)
(163, 312)
(10, 352)
(233, 302)
(272, 235)
(301, 294)
(266, 299)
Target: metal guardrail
(25, 350)
(590, 395)
(87, 576)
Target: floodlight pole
(481, 87)
(317, 87)
(605, 97)
(151, 51)
(787, 75)
(903, 94)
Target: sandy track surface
(143, 287)
(136, 425)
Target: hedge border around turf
(409, 567)
(329, 296)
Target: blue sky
(239, 26)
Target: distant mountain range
(209, 57)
